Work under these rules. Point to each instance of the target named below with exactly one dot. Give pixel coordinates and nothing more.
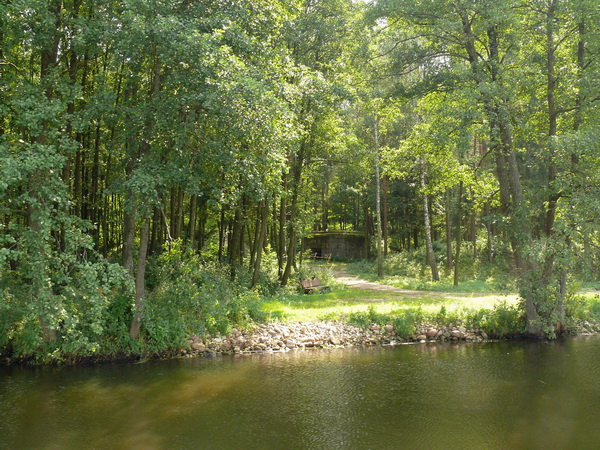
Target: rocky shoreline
(284, 337)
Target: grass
(339, 304)
(486, 301)
(446, 284)
(407, 270)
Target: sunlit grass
(338, 304)
(484, 292)
(408, 271)
(446, 284)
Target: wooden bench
(312, 284)
(315, 256)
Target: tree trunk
(435, 276)
(221, 233)
(177, 233)
(385, 215)
(291, 248)
(458, 234)
(264, 218)
(473, 228)
(192, 223)
(254, 241)
(282, 227)
(448, 230)
(488, 228)
(138, 306)
(234, 242)
(378, 200)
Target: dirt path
(353, 281)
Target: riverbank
(359, 314)
(281, 337)
(284, 337)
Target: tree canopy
(134, 133)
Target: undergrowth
(408, 270)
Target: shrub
(195, 297)
(78, 305)
(504, 320)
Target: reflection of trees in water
(503, 394)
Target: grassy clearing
(446, 284)
(487, 301)
(408, 270)
(499, 315)
(340, 304)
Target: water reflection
(495, 395)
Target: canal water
(517, 395)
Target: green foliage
(504, 320)
(194, 297)
(403, 320)
(82, 309)
(407, 270)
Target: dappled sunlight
(360, 295)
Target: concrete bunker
(340, 245)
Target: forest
(161, 161)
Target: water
(494, 395)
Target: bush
(403, 320)
(77, 306)
(504, 320)
(195, 297)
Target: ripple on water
(493, 395)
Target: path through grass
(345, 301)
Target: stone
(225, 346)
(389, 328)
(421, 337)
(196, 346)
(335, 340)
(432, 332)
